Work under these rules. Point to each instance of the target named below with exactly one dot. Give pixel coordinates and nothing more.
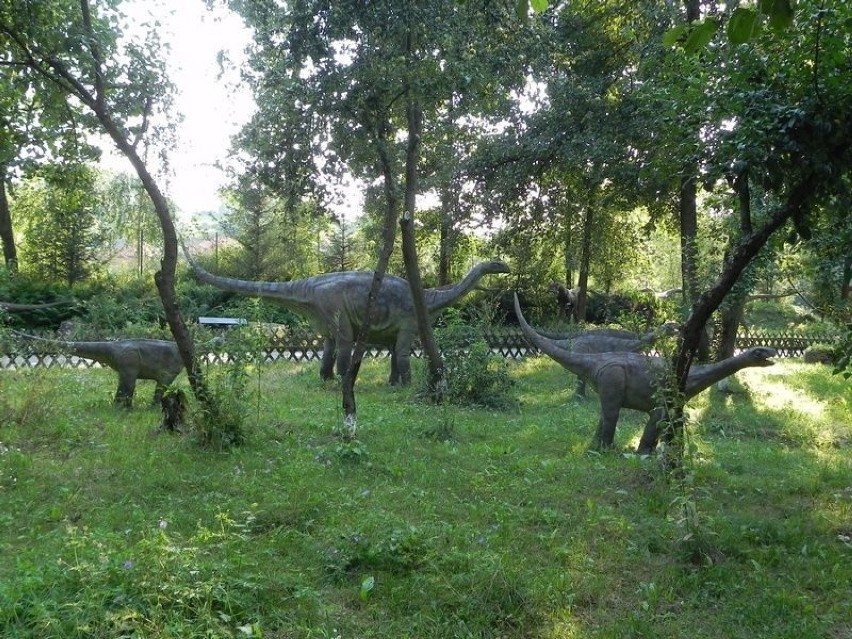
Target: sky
(213, 107)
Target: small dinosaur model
(614, 341)
(336, 304)
(132, 359)
(631, 380)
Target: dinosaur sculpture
(132, 359)
(601, 308)
(631, 380)
(336, 305)
(614, 341)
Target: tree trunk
(381, 134)
(738, 260)
(449, 200)
(733, 307)
(7, 235)
(732, 313)
(568, 248)
(688, 218)
(409, 254)
(165, 277)
(585, 261)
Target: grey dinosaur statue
(607, 340)
(133, 359)
(631, 380)
(336, 304)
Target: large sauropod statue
(630, 380)
(336, 305)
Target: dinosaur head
(495, 266)
(760, 356)
(669, 329)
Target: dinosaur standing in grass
(607, 340)
(632, 380)
(132, 359)
(336, 305)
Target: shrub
(474, 375)
(221, 424)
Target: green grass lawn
(435, 522)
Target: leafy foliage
(843, 363)
(58, 218)
(474, 375)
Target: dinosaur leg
(344, 354)
(126, 388)
(611, 385)
(393, 380)
(605, 434)
(401, 370)
(649, 436)
(581, 387)
(327, 361)
(403, 367)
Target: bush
(475, 376)
(21, 289)
(220, 425)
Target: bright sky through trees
(211, 104)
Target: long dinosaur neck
(233, 285)
(577, 364)
(440, 298)
(89, 350)
(704, 376)
(649, 338)
(290, 294)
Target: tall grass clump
(235, 386)
(474, 375)
(32, 407)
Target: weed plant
(509, 528)
(475, 376)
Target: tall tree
(59, 213)
(570, 163)
(37, 127)
(795, 140)
(352, 87)
(121, 83)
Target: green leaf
(539, 5)
(673, 35)
(367, 585)
(701, 35)
(521, 8)
(742, 26)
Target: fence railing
(299, 345)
